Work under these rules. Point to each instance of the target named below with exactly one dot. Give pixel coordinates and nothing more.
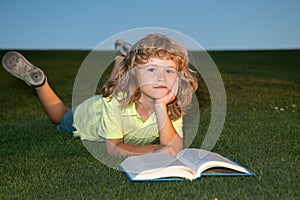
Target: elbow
(111, 152)
(112, 148)
(178, 148)
(177, 144)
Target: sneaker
(18, 66)
(122, 48)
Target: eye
(151, 69)
(170, 71)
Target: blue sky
(83, 24)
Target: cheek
(144, 81)
(171, 81)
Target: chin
(158, 96)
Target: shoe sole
(122, 48)
(18, 66)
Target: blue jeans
(66, 122)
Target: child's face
(157, 77)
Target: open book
(188, 164)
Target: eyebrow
(157, 65)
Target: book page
(147, 162)
(200, 160)
(220, 171)
(171, 171)
(156, 165)
(193, 158)
(150, 163)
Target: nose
(161, 76)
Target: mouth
(160, 87)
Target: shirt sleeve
(110, 126)
(178, 126)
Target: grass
(262, 131)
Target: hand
(170, 96)
(166, 149)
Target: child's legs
(122, 48)
(116, 69)
(53, 106)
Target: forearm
(122, 149)
(167, 132)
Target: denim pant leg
(66, 122)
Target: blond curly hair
(125, 87)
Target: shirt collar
(131, 111)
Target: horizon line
(87, 49)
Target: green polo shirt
(98, 118)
